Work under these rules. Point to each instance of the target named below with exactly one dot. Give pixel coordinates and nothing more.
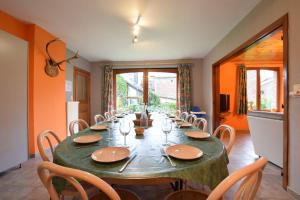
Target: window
(155, 87)
(130, 90)
(263, 89)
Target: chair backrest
(80, 123)
(50, 137)
(107, 115)
(220, 133)
(250, 175)
(178, 112)
(48, 170)
(99, 118)
(191, 118)
(183, 115)
(200, 123)
(113, 113)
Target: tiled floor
(24, 184)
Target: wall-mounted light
(136, 30)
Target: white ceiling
(102, 29)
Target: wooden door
(82, 93)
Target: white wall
(81, 63)
(197, 97)
(260, 17)
(97, 79)
(13, 109)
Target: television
(224, 102)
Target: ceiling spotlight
(135, 39)
(136, 30)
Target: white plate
(184, 152)
(86, 139)
(185, 125)
(98, 127)
(197, 134)
(110, 154)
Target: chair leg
(61, 197)
(180, 184)
(177, 185)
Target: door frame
(145, 80)
(280, 23)
(79, 70)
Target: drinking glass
(124, 128)
(166, 127)
(110, 129)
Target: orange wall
(46, 95)
(48, 98)
(13, 26)
(228, 86)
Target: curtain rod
(144, 64)
(141, 65)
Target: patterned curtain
(184, 88)
(242, 104)
(108, 89)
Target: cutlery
(127, 163)
(163, 153)
(93, 145)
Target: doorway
(268, 84)
(82, 93)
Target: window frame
(145, 80)
(258, 89)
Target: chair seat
(124, 195)
(186, 195)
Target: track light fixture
(136, 30)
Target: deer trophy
(52, 67)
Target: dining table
(149, 165)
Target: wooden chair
(191, 118)
(183, 115)
(48, 136)
(99, 118)
(200, 123)
(80, 123)
(107, 115)
(178, 112)
(47, 170)
(250, 175)
(220, 133)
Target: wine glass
(166, 127)
(125, 129)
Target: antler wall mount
(52, 67)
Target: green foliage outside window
(154, 102)
(122, 89)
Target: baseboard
(38, 155)
(294, 194)
(32, 155)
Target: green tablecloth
(210, 169)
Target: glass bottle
(144, 118)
